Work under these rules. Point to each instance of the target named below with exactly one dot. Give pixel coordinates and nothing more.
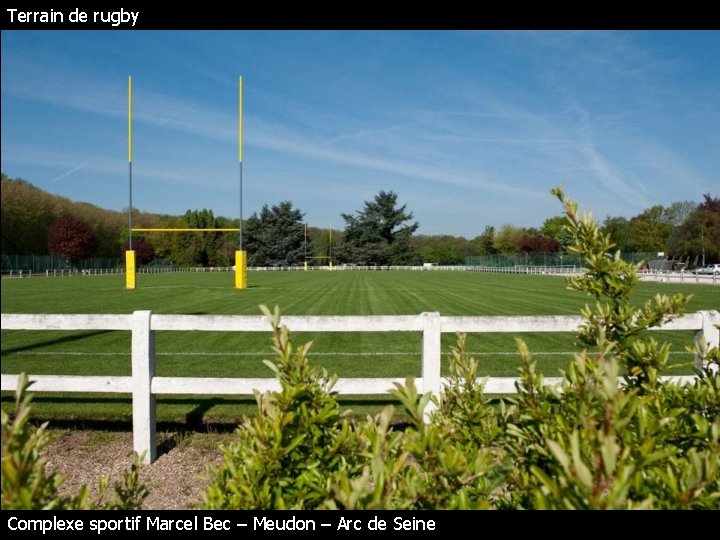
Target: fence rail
(144, 385)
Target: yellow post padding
(241, 269)
(306, 266)
(130, 269)
(331, 266)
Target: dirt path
(175, 480)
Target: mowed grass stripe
(320, 293)
(298, 293)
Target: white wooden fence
(144, 385)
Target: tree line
(382, 232)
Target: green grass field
(297, 293)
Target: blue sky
(469, 128)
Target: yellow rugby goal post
(240, 273)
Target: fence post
(143, 371)
(431, 356)
(709, 335)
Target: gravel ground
(175, 480)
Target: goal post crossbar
(185, 230)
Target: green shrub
(426, 466)
(591, 443)
(299, 451)
(463, 404)
(26, 483)
(284, 455)
(610, 435)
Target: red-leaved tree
(72, 238)
(539, 244)
(144, 250)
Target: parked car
(709, 269)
